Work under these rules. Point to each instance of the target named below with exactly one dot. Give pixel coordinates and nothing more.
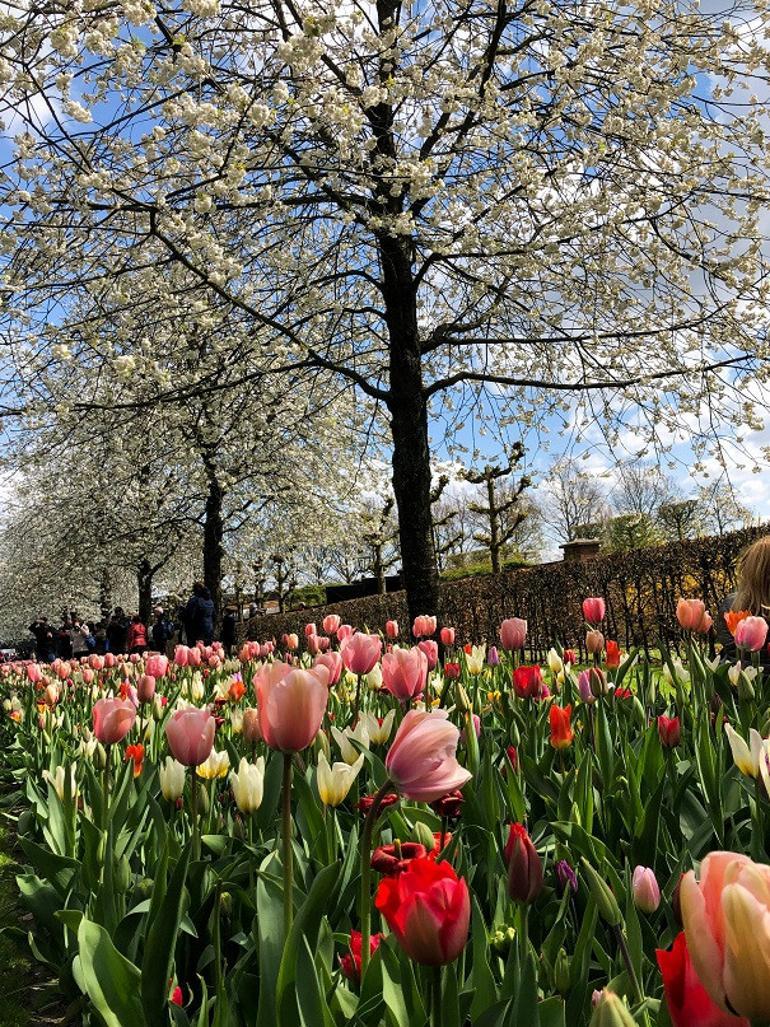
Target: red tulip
(689, 1004)
(428, 909)
(113, 719)
(350, 964)
(594, 609)
(136, 753)
(561, 729)
(525, 868)
(390, 860)
(527, 681)
(669, 731)
(612, 658)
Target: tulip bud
(594, 642)
(122, 875)
(226, 903)
(99, 758)
(645, 890)
(144, 888)
(561, 973)
(321, 744)
(602, 894)
(525, 868)
(462, 699)
(251, 730)
(423, 834)
(502, 939)
(611, 1011)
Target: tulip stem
(435, 992)
(358, 700)
(625, 953)
(288, 853)
(365, 913)
(196, 834)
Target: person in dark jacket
(751, 596)
(162, 630)
(199, 615)
(229, 622)
(44, 640)
(117, 631)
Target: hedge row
(641, 589)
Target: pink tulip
(344, 631)
(692, 615)
(391, 629)
(310, 629)
(726, 923)
(404, 672)
(584, 687)
(51, 694)
(430, 648)
(63, 669)
(34, 673)
(157, 665)
(145, 689)
(424, 626)
(751, 633)
(88, 675)
(96, 661)
(594, 609)
(513, 633)
(267, 649)
(330, 623)
(645, 889)
(190, 734)
(333, 663)
(447, 636)
(361, 652)
(421, 762)
(214, 661)
(290, 641)
(181, 656)
(194, 657)
(312, 644)
(291, 705)
(109, 660)
(322, 642)
(113, 719)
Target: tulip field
(398, 829)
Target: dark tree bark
(408, 407)
(145, 573)
(213, 533)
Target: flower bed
(345, 832)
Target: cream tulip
(248, 784)
(172, 778)
(343, 739)
(745, 757)
(334, 782)
(217, 765)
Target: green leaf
(160, 945)
(111, 981)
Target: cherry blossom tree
(554, 201)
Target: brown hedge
(641, 589)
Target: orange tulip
(734, 617)
(561, 729)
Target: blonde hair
(754, 578)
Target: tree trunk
(379, 570)
(144, 575)
(494, 537)
(409, 428)
(213, 531)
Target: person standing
(162, 630)
(117, 631)
(137, 635)
(229, 622)
(199, 615)
(44, 640)
(79, 635)
(64, 639)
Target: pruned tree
(502, 512)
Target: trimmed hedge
(641, 589)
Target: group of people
(194, 621)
